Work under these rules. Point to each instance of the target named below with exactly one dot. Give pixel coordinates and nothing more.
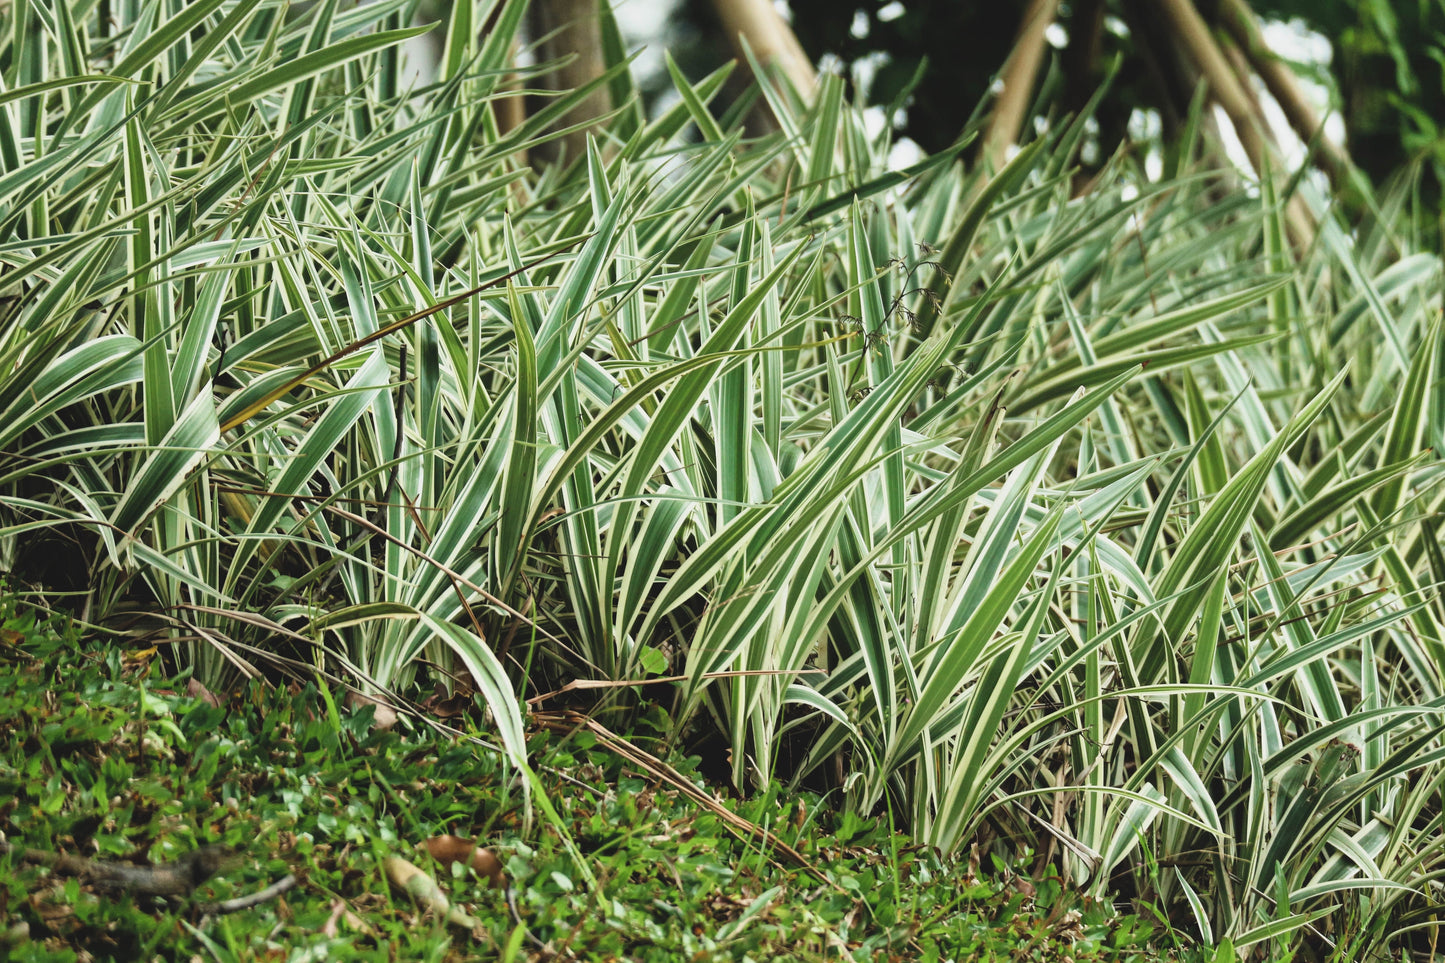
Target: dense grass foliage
(1105, 520)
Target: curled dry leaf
(384, 717)
(329, 929)
(197, 691)
(454, 849)
(425, 892)
(358, 924)
(449, 706)
(341, 913)
(18, 933)
(137, 658)
(1070, 927)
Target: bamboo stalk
(1230, 93)
(1020, 72)
(1174, 75)
(1242, 71)
(570, 29)
(771, 39)
(510, 107)
(1283, 86)
(1298, 220)
(1178, 80)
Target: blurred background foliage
(928, 63)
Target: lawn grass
(103, 757)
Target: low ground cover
(104, 758)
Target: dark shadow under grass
(101, 759)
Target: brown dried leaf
(454, 849)
(140, 656)
(1070, 928)
(329, 929)
(445, 706)
(341, 913)
(385, 716)
(424, 891)
(195, 690)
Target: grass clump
(948, 494)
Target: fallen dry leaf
(454, 849)
(1070, 927)
(197, 691)
(425, 892)
(445, 706)
(385, 716)
(329, 929)
(139, 657)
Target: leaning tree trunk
(1181, 20)
(1283, 86)
(1183, 51)
(1081, 64)
(1020, 76)
(569, 29)
(1080, 59)
(769, 38)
